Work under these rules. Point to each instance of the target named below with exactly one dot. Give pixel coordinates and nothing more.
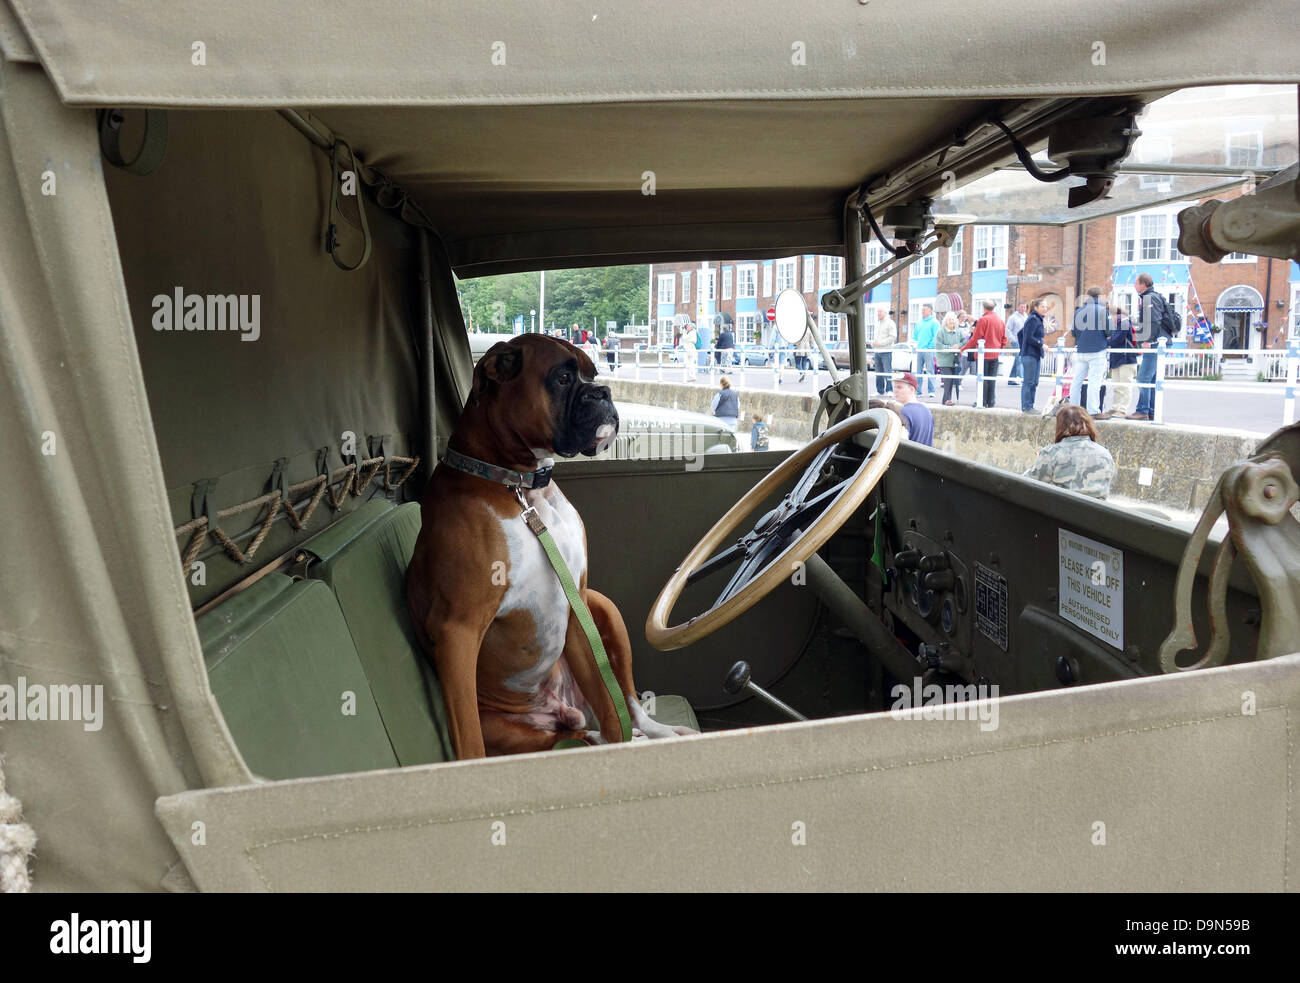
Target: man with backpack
(1155, 319)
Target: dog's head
(542, 389)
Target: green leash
(579, 607)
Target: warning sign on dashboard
(1092, 587)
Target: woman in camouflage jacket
(1076, 460)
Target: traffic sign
(771, 313)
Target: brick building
(1254, 300)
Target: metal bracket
(153, 144)
(837, 398)
(840, 301)
(1257, 494)
(1265, 222)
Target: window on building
(999, 299)
(1126, 298)
(1126, 239)
(954, 253)
(767, 279)
(1148, 237)
(875, 254)
(809, 274)
(666, 283)
(925, 266)
(1152, 149)
(1151, 241)
(745, 328)
(1245, 150)
(726, 283)
(914, 314)
(990, 247)
(1295, 310)
(1239, 258)
(829, 326)
(686, 286)
(787, 272)
(832, 273)
(746, 282)
(665, 331)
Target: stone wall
(1185, 462)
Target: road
(1210, 404)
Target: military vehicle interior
(233, 352)
(294, 462)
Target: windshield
(1194, 142)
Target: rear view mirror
(791, 316)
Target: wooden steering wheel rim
(666, 638)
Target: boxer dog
(517, 671)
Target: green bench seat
(281, 662)
(281, 653)
(363, 559)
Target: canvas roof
(525, 132)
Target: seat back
(290, 685)
(363, 559)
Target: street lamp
(533, 316)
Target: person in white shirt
(1014, 323)
(686, 345)
(883, 339)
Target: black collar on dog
(481, 469)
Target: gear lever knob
(738, 680)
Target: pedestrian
(1154, 319)
(758, 434)
(1031, 355)
(1123, 364)
(923, 338)
(802, 361)
(989, 329)
(687, 345)
(703, 342)
(1076, 460)
(946, 342)
(883, 339)
(726, 403)
(611, 351)
(1091, 322)
(726, 342)
(779, 348)
(920, 421)
(1014, 323)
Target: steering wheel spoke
(716, 563)
(801, 523)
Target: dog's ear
(502, 362)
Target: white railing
(1175, 369)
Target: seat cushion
(281, 664)
(363, 558)
(674, 711)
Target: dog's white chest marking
(533, 583)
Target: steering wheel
(788, 535)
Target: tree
(609, 293)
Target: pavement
(1258, 412)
